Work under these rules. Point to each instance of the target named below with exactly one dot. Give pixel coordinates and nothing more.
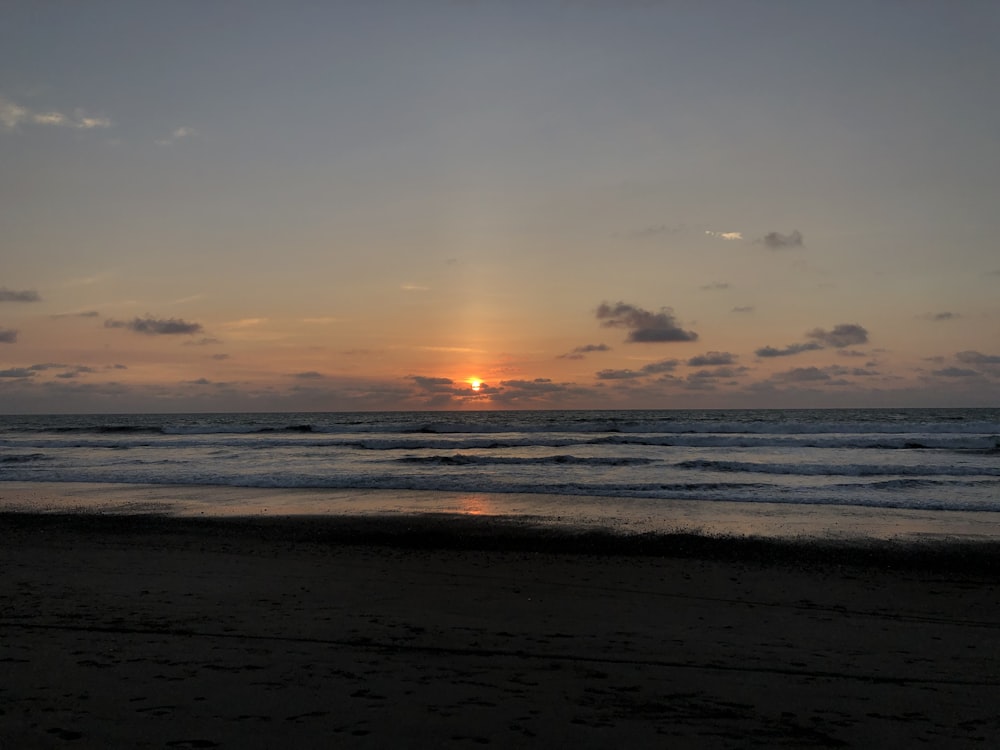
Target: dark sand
(429, 632)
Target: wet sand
(629, 516)
(161, 632)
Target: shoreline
(832, 524)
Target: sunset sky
(215, 206)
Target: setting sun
(475, 384)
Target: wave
(875, 495)
(24, 458)
(459, 459)
(831, 469)
(309, 438)
(973, 422)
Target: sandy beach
(153, 632)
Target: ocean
(625, 463)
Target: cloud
(664, 365)
(777, 241)
(84, 314)
(644, 327)
(715, 286)
(588, 348)
(9, 295)
(245, 323)
(534, 387)
(743, 309)
(709, 359)
(539, 390)
(843, 335)
(75, 372)
(653, 368)
(978, 358)
(580, 351)
(156, 326)
(725, 235)
(48, 366)
(414, 288)
(802, 375)
(719, 373)
(788, 351)
(177, 134)
(432, 384)
(956, 372)
(13, 115)
(619, 374)
(937, 317)
(17, 372)
(8, 336)
(309, 375)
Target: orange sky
(364, 206)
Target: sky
(537, 204)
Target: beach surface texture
(151, 631)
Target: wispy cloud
(777, 240)
(462, 349)
(788, 351)
(644, 327)
(956, 372)
(653, 368)
(8, 336)
(156, 326)
(802, 375)
(743, 309)
(81, 314)
(711, 359)
(185, 300)
(27, 295)
(978, 358)
(177, 134)
(940, 316)
(539, 390)
(414, 288)
(13, 116)
(244, 323)
(715, 286)
(725, 235)
(581, 351)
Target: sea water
(920, 459)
